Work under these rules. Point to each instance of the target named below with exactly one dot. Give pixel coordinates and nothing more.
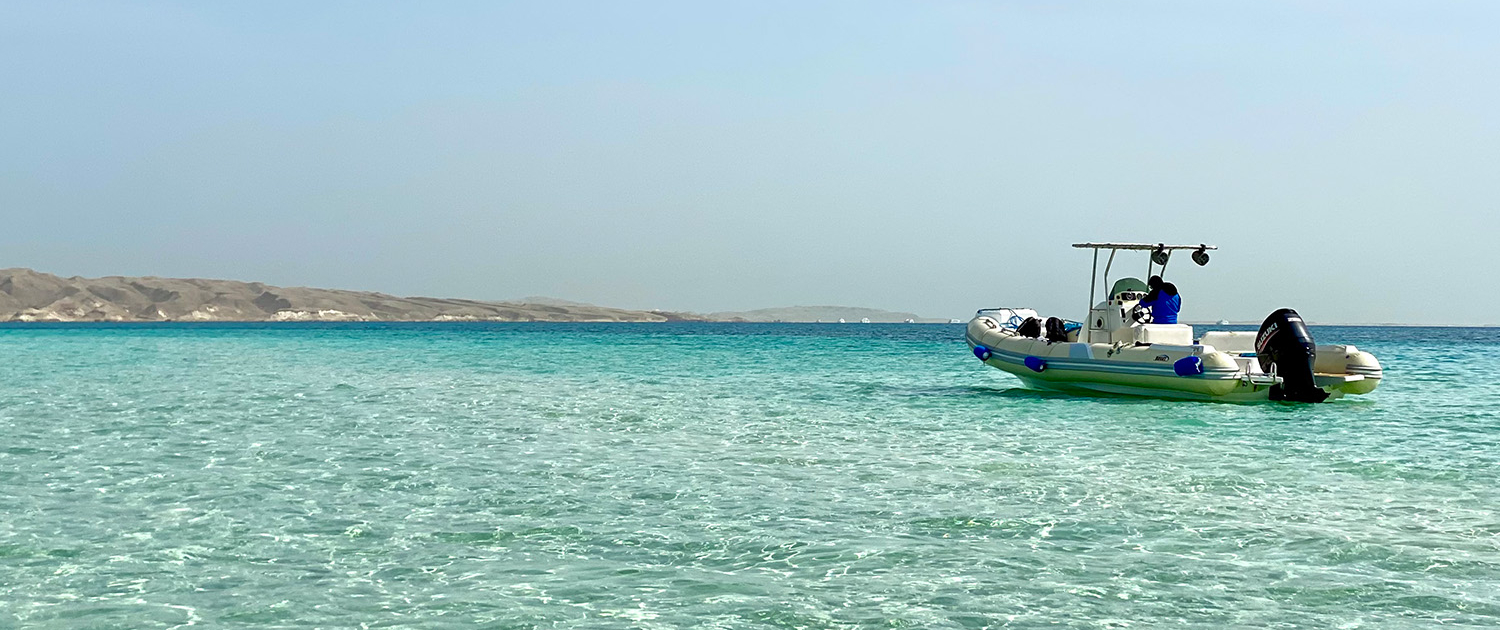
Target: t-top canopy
(1145, 246)
(1161, 253)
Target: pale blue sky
(934, 157)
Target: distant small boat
(1222, 322)
(841, 321)
(864, 320)
(910, 321)
(955, 320)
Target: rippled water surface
(720, 476)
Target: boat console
(1117, 320)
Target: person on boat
(1162, 300)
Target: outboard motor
(1285, 343)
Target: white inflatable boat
(1119, 350)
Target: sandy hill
(27, 295)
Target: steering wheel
(1141, 314)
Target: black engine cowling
(1284, 341)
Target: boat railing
(1008, 316)
(1261, 378)
(1011, 319)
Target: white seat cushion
(1230, 341)
(1171, 334)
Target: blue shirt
(1164, 308)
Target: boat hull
(1150, 388)
(1180, 372)
(1127, 378)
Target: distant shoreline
(28, 296)
(32, 296)
(464, 322)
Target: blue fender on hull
(1188, 366)
(982, 353)
(1035, 364)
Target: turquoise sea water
(720, 476)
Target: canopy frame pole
(1107, 265)
(1093, 275)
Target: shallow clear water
(720, 476)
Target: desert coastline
(27, 295)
